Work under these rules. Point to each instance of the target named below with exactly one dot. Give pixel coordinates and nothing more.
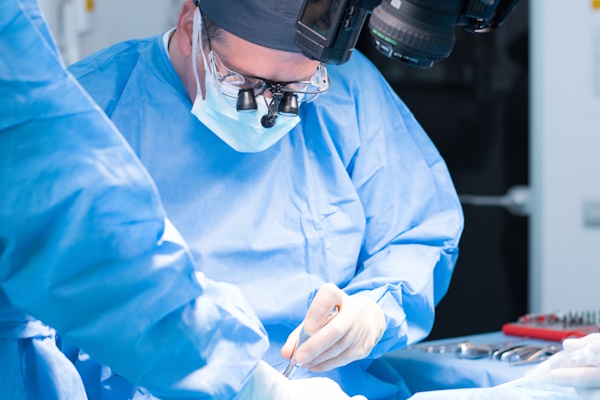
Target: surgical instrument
(293, 366)
(497, 355)
(539, 355)
(554, 326)
(473, 351)
(519, 353)
(439, 348)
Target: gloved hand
(578, 365)
(268, 384)
(349, 336)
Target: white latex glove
(268, 384)
(579, 363)
(349, 336)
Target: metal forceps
(293, 366)
(542, 354)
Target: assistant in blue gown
(85, 247)
(356, 194)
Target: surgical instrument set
(511, 352)
(554, 326)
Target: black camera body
(330, 33)
(415, 32)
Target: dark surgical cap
(268, 23)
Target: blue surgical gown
(86, 248)
(356, 194)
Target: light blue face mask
(242, 131)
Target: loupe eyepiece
(288, 105)
(246, 101)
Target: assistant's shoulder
(105, 73)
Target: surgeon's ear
(185, 28)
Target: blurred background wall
(82, 27)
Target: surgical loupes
(293, 366)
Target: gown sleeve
(85, 245)
(413, 216)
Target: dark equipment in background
(415, 32)
(474, 107)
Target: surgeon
(86, 248)
(307, 186)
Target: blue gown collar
(166, 68)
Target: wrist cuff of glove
(378, 312)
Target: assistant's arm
(84, 242)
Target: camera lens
(415, 32)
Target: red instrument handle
(555, 335)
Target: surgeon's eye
(296, 87)
(232, 79)
(242, 82)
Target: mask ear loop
(197, 37)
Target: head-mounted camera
(415, 32)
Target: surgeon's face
(250, 59)
(237, 54)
